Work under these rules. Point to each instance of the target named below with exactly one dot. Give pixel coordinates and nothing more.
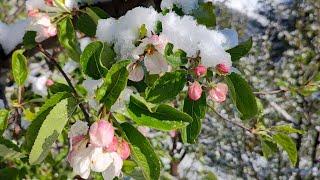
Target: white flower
(114, 169)
(78, 128)
(81, 162)
(42, 25)
(100, 160)
(154, 60)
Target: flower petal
(155, 63)
(100, 160)
(136, 73)
(115, 169)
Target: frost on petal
(155, 63)
(232, 39)
(186, 5)
(81, 162)
(39, 85)
(11, 35)
(136, 72)
(115, 169)
(100, 160)
(78, 128)
(124, 32)
(101, 133)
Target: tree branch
(230, 121)
(53, 60)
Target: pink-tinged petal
(219, 92)
(155, 63)
(113, 146)
(200, 70)
(101, 133)
(51, 31)
(49, 2)
(223, 69)
(49, 82)
(123, 149)
(136, 72)
(195, 91)
(33, 13)
(173, 133)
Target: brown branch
(230, 121)
(53, 60)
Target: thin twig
(271, 92)
(230, 121)
(53, 60)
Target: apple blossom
(136, 72)
(194, 91)
(153, 48)
(223, 69)
(219, 92)
(49, 82)
(81, 161)
(100, 160)
(114, 169)
(200, 70)
(101, 133)
(114, 145)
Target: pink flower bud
(200, 70)
(101, 133)
(114, 145)
(223, 69)
(49, 2)
(173, 133)
(219, 92)
(49, 82)
(33, 12)
(195, 91)
(123, 149)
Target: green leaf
(19, 67)
(96, 13)
(9, 173)
(3, 120)
(162, 117)
(287, 145)
(177, 58)
(51, 128)
(242, 96)
(8, 150)
(287, 129)
(128, 166)
(114, 82)
(205, 14)
(91, 60)
(86, 25)
(268, 148)
(166, 87)
(241, 50)
(158, 28)
(67, 38)
(33, 129)
(197, 110)
(29, 41)
(142, 31)
(142, 152)
(59, 87)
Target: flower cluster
(96, 149)
(216, 92)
